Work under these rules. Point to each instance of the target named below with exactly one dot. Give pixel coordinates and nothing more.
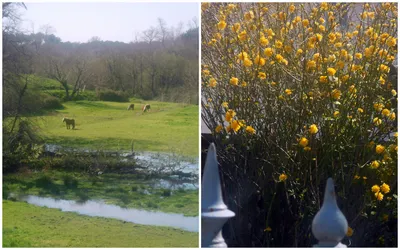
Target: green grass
(125, 190)
(168, 127)
(26, 225)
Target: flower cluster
(314, 87)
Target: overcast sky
(78, 22)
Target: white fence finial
(329, 225)
(214, 212)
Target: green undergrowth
(125, 190)
(26, 225)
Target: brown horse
(69, 122)
(131, 106)
(146, 108)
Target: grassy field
(125, 190)
(168, 127)
(25, 225)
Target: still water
(100, 209)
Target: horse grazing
(131, 106)
(146, 108)
(69, 122)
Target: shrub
(51, 102)
(112, 96)
(294, 94)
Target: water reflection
(98, 208)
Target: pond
(100, 209)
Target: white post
(214, 212)
(329, 225)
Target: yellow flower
(356, 177)
(374, 164)
(206, 72)
(264, 41)
(336, 114)
(313, 129)
(303, 142)
(213, 82)
(349, 232)
(292, 8)
(282, 177)
(268, 52)
(383, 68)
(378, 106)
(229, 115)
(250, 130)
(244, 84)
(375, 189)
(358, 55)
(381, 80)
(391, 42)
(307, 149)
(247, 62)
(305, 22)
(278, 44)
(323, 79)
(377, 121)
(311, 64)
(331, 71)
(288, 91)
(385, 188)
(319, 37)
(221, 25)
(242, 56)
(336, 94)
(360, 110)
(279, 58)
(379, 149)
(299, 51)
(235, 125)
(394, 92)
(262, 75)
(324, 6)
(259, 61)
(249, 15)
(368, 51)
(379, 196)
(234, 81)
(385, 112)
(225, 104)
(218, 128)
(392, 116)
(242, 36)
(236, 27)
(332, 37)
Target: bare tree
(150, 34)
(163, 32)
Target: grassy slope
(123, 190)
(26, 225)
(168, 127)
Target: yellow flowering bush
(306, 90)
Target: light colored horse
(69, 122)
(146, 108)
(131, 106)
